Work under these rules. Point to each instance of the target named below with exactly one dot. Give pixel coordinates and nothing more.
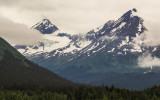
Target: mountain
(17, 71)
(110, 51)
(45, 27)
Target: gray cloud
(8, 2)
(31, 5)
(17, 33)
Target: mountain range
(109, 54)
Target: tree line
(82, 92)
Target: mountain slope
(16, 70)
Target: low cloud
(108, 38)
(105, 37)
(147, 60)
(152, 36)
(17, 33)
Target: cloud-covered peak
(45, 27)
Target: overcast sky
(73, 16)
(76, 16)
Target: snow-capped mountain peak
(128, 24)
(45, 27)
(122, 30)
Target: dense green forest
(80, 93)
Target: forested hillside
(17, 71)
